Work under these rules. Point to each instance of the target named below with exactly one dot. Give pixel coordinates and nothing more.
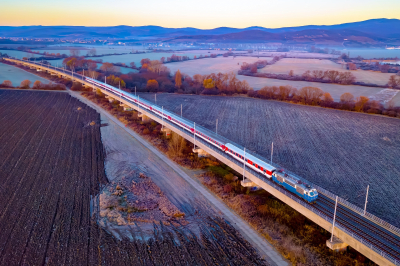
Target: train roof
(296, 181)
(250, 157)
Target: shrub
(25, 84)
(7, 83)
(228, 188)
(152, 85)
(77, 86)
(37, 84)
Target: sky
(204, 14)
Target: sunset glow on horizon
(206, 14)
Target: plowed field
(340, 151)
(51, 165)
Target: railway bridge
(350, 225)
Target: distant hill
(374, 30)
(309, 36)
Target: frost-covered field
(301, 65)
(17, 75)
(340, 151)
(334, 89)
(228, 64)
(296, 54)
(18, 54)
(213, 65)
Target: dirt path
(124, 147)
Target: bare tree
(92, 52)
(326, 97)
(361, 103)
(394, 81)
(307, 75)
(347, 97)
(176, 145)
(311, 95)
(25, 84)
(37, 84)
(74, 52)
(318, 74)
(7, 83)
(284, 92)
(332, 75)
(109, 68)
(346, 78)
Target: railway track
(394, 239)
(359, 226)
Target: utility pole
(181, 110)
(194, 134)
(120, 94)
(244, 164)
(93, 84)
(366, 200)
(334, 218)
(272, 151)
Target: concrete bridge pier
(248, 183)
(167, 131)
(144, 118)
(110, 99)
(336, 244)
(127, 107)
(201, 152)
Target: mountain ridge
(374, 30)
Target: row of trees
(394, 82)
(80, 64)
(37, 85)
(315, 96)
(328, 76)
(332, 76)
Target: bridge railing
(280, 189)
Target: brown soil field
(52, 165)
(340, 151)
(301, 65)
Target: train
(279, 176)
